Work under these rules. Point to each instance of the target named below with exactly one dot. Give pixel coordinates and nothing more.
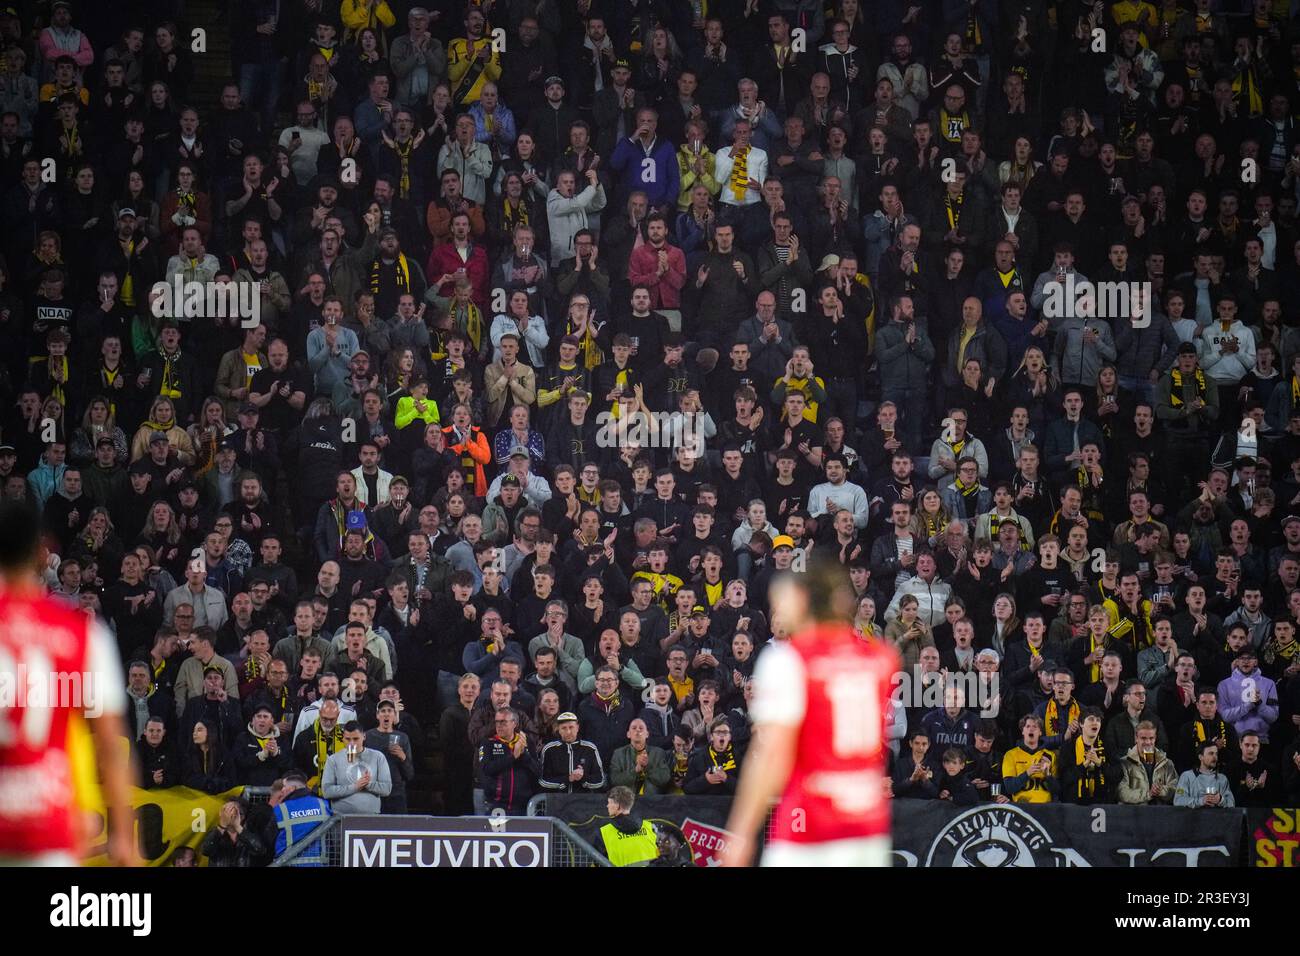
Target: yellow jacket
(460, 57)
(686, 169)
(359, 14)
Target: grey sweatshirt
(339, 785)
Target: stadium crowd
(579, 321)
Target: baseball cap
(568, 717)
(11, 450)
(103, 440)
(1285, 521)
(699, 611)
(622, 63)
(512, 480)
(158, 437)
(518, 450)
(552, 80)
(248, 408)
(125, 211)
(1187, 348)
(782, 541)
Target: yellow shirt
(1016, 762)
(252, 365)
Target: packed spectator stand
(550, 332)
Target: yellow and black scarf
(326, 744)
(973, 40)
(1246, 90)
(607, 704)
(952, 206)
(1199, 726)
(403, 151)
(1176, 393)
(1275, 652)
(1133, 630)
(723, 761)
(1092, 780)
(400, 274)
(58, 386)
(1053, 725)
(469, 319)
(170, 386)
(739, 181)
(965, 491)
(513, 216)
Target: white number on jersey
(37, 713)
(856, 723)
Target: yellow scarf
(1053, 726)
(1176, 393)
(404, 157)
(470, 321)
(739, 181)
(1095, 778)
(1246, 85)
(953, 208)
(127, 295)
(723, 761)
(324, 747)
(170, 385)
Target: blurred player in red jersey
(60, 667)
(819, 718)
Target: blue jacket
(945, 732)
(476, 659)
(295, 818)
(655, 173)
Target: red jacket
(643, 269)
(445, 260)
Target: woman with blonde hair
(97, 422)
(1034, 385)
(98, 542)
(162, 533)
(162, 418)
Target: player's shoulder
(36, 611)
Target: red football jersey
(54, 662)
(836, 688)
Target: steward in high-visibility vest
(627, 839)
(297, 815)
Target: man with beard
(272, 287)
(1204, 786)
(278, 390)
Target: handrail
(298, 847)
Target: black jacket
(559, 759)
(251, 768)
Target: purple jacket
(1237, 709)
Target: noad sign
(427, 842)
(1116, 301)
